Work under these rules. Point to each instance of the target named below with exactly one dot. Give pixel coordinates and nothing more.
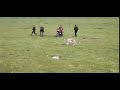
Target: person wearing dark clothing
(34, 29)
(41, 31)
(76, 30)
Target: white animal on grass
(55, 57)
(70, 41)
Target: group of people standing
(59, 32)
(41, 30)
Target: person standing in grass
(76, 30)
(34, 29)
(61, 30)
(41, 31)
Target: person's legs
(32, 33)
(75, 34)
(42, 33)
(59, 34)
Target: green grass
(22, 53)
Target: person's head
(75, 25)
(33, 25)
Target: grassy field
(98, 51)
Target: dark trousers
(33, 32)
(41, 33)
(75, 33)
